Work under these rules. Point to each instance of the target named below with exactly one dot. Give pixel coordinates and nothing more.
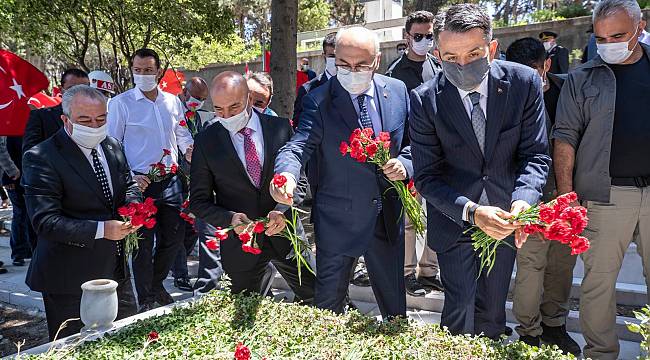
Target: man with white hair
(355, 211)
(601, 134)
(74, 183)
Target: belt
(637, 181)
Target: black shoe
(183, 284)
(530, 340)
(146, 307)
(507, 331)
(431, 282)
(413, 286)
(3, 270)
(163, 298)
(19, 262)
(557, 335)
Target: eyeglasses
(358, 68)
(418, 37)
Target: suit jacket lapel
(452, 105)
(113, 166)
(80, 164)
(343, 105)
(382, 99)
(497, 103)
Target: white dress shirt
(467, 102)
(258, 138)
(372, 107)
(147, 127)
(99, 234)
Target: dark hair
(329, 40)
(418, 17)
(527, 51)
(143, 53)
(401, 44)
(73, 72)
(462, 18)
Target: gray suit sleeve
(6, 163)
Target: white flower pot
(98, 305)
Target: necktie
(103, 182)
(364, 117)
(478, 123)
(253, 166)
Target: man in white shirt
(147, 121)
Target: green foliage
(643, 328)
(644, 4)
(211, 328)
(575, 55)
(313, 15)
(572, 10)
(543, 15)
(230, 49)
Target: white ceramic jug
(98, 305)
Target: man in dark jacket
(559, 55)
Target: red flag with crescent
(19, 81)
(41, 100)
(172, 82)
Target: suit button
(374, 201)
(486, 178)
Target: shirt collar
(482, 89)
(139, 95)
(370, 92)
(253, 123)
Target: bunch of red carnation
(248, 236)
(189, 115)
(364, 147)
(185, 214)
(138, 214)
(559, 221)
(158, 171)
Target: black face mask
(466, 77)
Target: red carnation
(259, 227)
(372, 149)
(362, 158)
(251, 250)
(558, 231)
(533, 228)
(245, 237)
(242, 352)
(173, 169)
(355, 135)
(150, 223)
(386, 145)
(186, 204)
(343, 148)
(153, 336)
(546, 214)
(126, 210)
(212, 244)
(384, 136)
(189, 115)
(368, 132)
(167, 152)
(579, 244)
(182, 123)
(356, 145)
(221, 234)
(279, 180)
(568, 197)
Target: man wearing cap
(103, 82)
(559, 55)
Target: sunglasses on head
(419, 37)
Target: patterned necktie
(364, 117)
(253, 166)
(478, 123)
(101, 177)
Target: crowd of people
(483, 139)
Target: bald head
(229, 94)
(197, 88)
(357, 46)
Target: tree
(347, 12)
(284, 18)
(313, 15)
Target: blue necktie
(364, 117)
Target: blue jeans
(23, 236)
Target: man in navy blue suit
(480, 156)
(354, 211)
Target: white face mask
(145, 82)
(355, 82)
(421, 47)
(330, 65)
(259, 109)
(235, 122)
(616, 53)
(548, 45)
(195, 103)
(88, 137)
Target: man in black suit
(479, 145)
(232, 164)
(74, 183)
(559, 55)
(43, 123)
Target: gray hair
(80, 90)
(606, 8)
(359, 31)
(462, 18)
(261, 78)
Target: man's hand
(394, 170)
(276, 223)
(240, 221)
(143, 181)
(117, 230)
(283, 195)
(494, 221)
(188, 153)
(17, 176)
(516, 208)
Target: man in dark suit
(355, 211)
(74, 183)
(559, 55)
(479, 147)
(43, 123)
(231, 165)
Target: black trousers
(151, 266)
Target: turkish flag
(19, 81)
(41, 100)
(172, 82)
